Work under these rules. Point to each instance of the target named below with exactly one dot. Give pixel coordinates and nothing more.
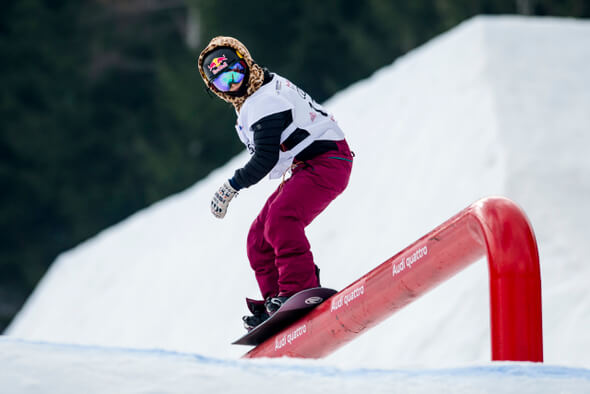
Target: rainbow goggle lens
(233, 75)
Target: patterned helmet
(220, 55)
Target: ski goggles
(233, 75)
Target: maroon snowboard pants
(278, 249)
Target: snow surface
(496, 106)
(68, 369)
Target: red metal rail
(495, 227)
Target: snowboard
(294, 308)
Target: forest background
(103, 111)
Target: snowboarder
(285, 130)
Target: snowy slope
(496, 106)
(51, 368)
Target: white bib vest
(281, 95)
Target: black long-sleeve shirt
(267, 142)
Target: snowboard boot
(259, 314)
(251, 322)
(272, 304)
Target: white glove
(221, 200)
